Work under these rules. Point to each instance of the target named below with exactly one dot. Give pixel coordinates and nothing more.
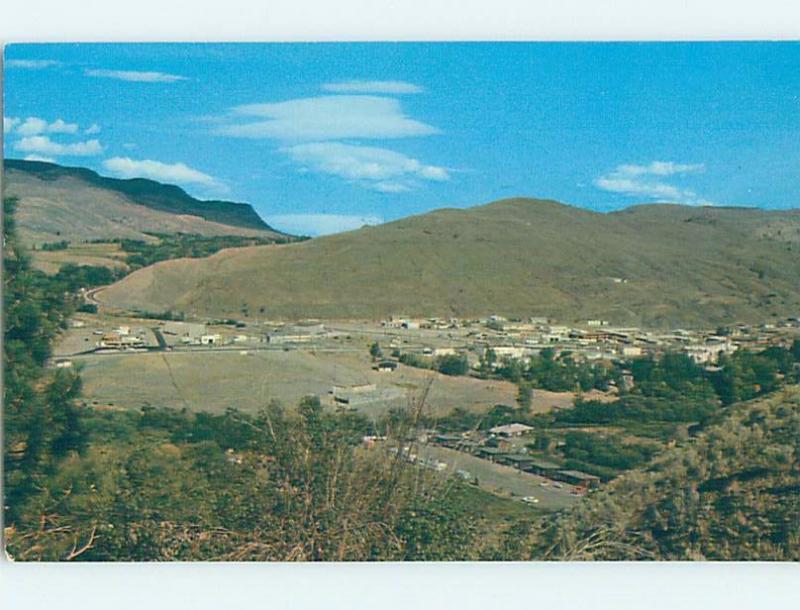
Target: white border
(318, 20)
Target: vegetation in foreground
(158, 484)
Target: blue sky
(326, 137)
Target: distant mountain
(77, 204)
(653, 265)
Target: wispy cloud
(39, 158)
(92, 129)
(43, 145)
(378, 169)
(31, 64)
(9, 123)
(34, 125)
(330, 117)
(648, 181)
(136, 77)
(174, 173)
(320, 224)
(390, 87)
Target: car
(544, 484)
(559, 485)
(530, 500)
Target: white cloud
(9, 123)
(92, 129)
(389, 87)
(61, 126)
(179, 173)
(389, 187)
(660, 168)
(647, 181)
(40, 158)
(31, 64)
(31, 126)
(320, 224)
(378, 169)
(45, 146)
(135, 76)
(330, 117)
(34, 125)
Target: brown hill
(76, 204)
(654, 265)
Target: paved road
(206, 349)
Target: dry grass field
(217, 380)
(100, 255)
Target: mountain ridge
(655, 266)
(74, 204)
(149, 193)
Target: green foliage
(420, 362)
(635, 409)
(525, 396)
(730, 495)
(604, 450)
(56, 245)
(183, 245)
(452, 364)
(41, 424)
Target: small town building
(509, 430)
(541, 467)
(186, 332)
(581, 480)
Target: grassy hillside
(731, 494)
(657, 265)
(76, 204)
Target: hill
(653, 265)
(732, 494)
(76, 204)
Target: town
(373, 367)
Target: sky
(327, 137)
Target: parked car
(530, 500)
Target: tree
(375, 351)
(525, 396)
(452, 364)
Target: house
(581, 480)
(518, 460)
(386, 366)
(187, 332)
(448, 440)
(210, 339)
(489, 453)
(114, 340)
(509, 430)
(541, 467)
